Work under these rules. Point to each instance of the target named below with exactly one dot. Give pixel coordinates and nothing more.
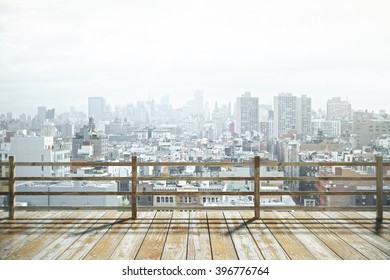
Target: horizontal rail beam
(201, 208)
(189, 178)
(194, 193)
(177, 163)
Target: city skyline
(58, 54)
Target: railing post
(257, 187)
(379, 189)
(11, 188)
(134, 185)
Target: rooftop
(180, 235)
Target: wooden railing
(379, 178)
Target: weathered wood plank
(222, 246)
(24, 223)
(104, 248)
(33, 247)
(245, 245)
(354, 240)
(377, 241)
(338, 245)
(128, 248)
(309, 240)
(269, 246)
(290, 243)
(32, 231)
(198, 239)
(153, 244)
(89, 237)
(368, 223)
(176, 244)
(63, 241)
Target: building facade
(247, 114)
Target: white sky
(56, 53)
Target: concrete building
(65, 200)
(291, 113)
(86, 137)
(367, 130)
(327, 127)
(247, 114)
(40, 149)
(337, 109)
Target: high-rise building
(247, 114)
(41, 117)
(96, 108)
(338, 109)
(304, 115)
(199, 102)
(291, 113)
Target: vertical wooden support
(379, 189)
(257, 187)
(134, 186)
(11, 188)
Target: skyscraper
(291, 113)
(247, 114)
(199, 102)
(41, 116)
(96, 108)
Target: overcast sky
(56, 53)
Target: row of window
(185, 199)
(161, 199)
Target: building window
(158, 199)
(310, 202)
(204, 200)
(171, 199)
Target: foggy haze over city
(195, 130)
(58, 53)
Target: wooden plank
(290, 243)
(89, 237)
(353, 239)
(32, 231)
(368, 224)
(222, 246)
(245, 245)
(307, 238)
(24, 223)
(29, 250)
(377, 241)
(129, 246)
(153, 244)
(176, 244)
(199, 247)
(105, 247)
(338, 245)
(65, 240)
(269, 246)
(372, 216)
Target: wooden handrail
(379, 178)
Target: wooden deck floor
(194, 236)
